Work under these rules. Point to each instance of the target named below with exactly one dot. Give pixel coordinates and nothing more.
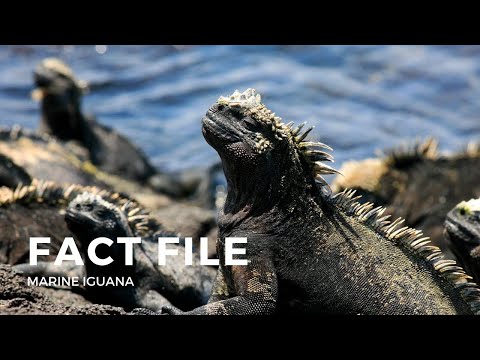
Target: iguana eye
(462, 211)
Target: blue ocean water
(360, 98)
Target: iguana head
(462, 230)
(262, 156)
(88, 216)
(60, 93)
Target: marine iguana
(60, 93)
(309, 250)
(37, 210)
(462, 232)
(417, 183)
(89, 216)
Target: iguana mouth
(50, 70)
(450, 226)
(213, 130)
(42, 79)
(208, 124)
(456, 228)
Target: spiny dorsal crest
(413, 241)
(43, 191)
(92, 199)
(137, 218)
(412, 152)
(252, 105)
(48, 192)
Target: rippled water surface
(360, 98)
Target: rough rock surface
(17, 298)
(186, 219)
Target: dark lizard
(417, 182)
(89, 216)
(61, 94)
(462, 232)
(308, 250)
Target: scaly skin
(36, 210)
(417, 183)
(309, 251)
(88, 217)
(462, 232)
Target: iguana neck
(115, 251)
(116, 269)
(469, 257)
(281, 194)
(117, 295)
(65, 124)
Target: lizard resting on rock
(61, 93)
(462, 232)
(89, 217)
(416, 182)
(36, 210)
(309, 250)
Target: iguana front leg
(219, 292)
(255, 287)
(219, 288)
